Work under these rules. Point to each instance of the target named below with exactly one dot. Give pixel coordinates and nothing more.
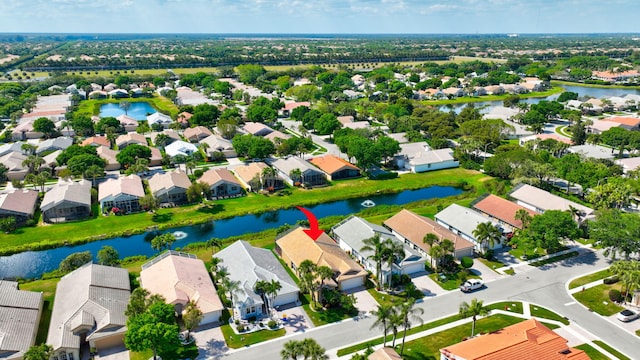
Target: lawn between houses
(102, 227)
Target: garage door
(284, 299)
(211, 317)
(352, 283)
(413, 268)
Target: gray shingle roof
(78, 193)
(19, 314)
(463, 219)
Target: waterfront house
(248, 265)
(128, 123)
(418, 157)
(170, 187)
(123, 194)
(335, 168)
(159, 118)
(19, 203)
(308, 175)
(67, 200)
(252, 177)
(20, 313)
(222, 183)
(179, 278)
(501, 210)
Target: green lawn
(41, 237)
(428, 347)
(145, 355)
(531, 252)
(385, 299)
(592, 352)
(589, 278)
(452, 282)
(539, 311)
(235, 341)
(492, 264)
(321, 316)
(48, 288)
(513, 306)
(555, 259)
(611, 350)
(595, 298)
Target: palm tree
(204, 146)
(33, 163)
(628, 271)
(395, 321)
(125, 105)
(307, 274)
(190, 165)
(232, 287)
(430, 239)
(311, 350)
(376, 246)
(93, 171)
(448, 247)
(524, 217)
(214, 243)
(409, 314)
(296, 176)
(487, 235)
(383, 314)
(268, 177)
(394, 252)
(271, 291)
(215, 262)
(436, 252)
(291, 350)
(474, 309)
(323, 273)
(28, 149)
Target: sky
(320, 16)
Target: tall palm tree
(311, 350)
(271, 291)
(628, 271)
(448, 247)
(394, 252)
(436, 252)
(383, 314)
(377, 247)
(474, 309)
(268, 177)
(395, 321)
(487, 235)
(33, 163)
(291, 350)
(232, 287)
(409, 314)
(296, 176)
(28, 149)
(307, 274)
(190, 165)
(430, 239)
(322, 273)
(524, 217)
(214, 243)
(93, 172)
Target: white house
(418, 157)
(180, 148)
(463, 221)
(159, 118)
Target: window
(55, 357)
(70, 356)
(63, 356)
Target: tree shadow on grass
(211, 209)
(162, 218)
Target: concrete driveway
(296, 321)
(210, 341)
(365, 302)
(424, 283)
(630, 326)
(482, 270)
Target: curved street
(545, 286)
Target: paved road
(544, 286)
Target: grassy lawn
(541, 312)
(611, 350)
(595, 299)
(385, 299)
(513, 306)
(532, 253)
(492, 264)
(570, 83)
(48, 288)
(428, 347)
(414, 330)
(589, 278)
(41, 237)
(321, 316)
(592, 352)
(453, 281)
(555, 259)
(145, 355)
(235, 341)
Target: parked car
(627, 315)
(471, 285)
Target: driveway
(366, 303)
(296, 321)
(424, 283)
(482, 270)
(630, 326)
(114, 353)
(210, 341)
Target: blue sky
(319, 16)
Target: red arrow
(315, 232)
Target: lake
(33, 264)
(137, 110)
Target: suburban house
(159, 118)
(600, 126)
(542, 137)
(540, 201)
(19, 203)
(216, 143)
(412, 228)
(109, 156)
(248, 265)
(89, 308)
(11, 147)
(195, 134)
(629, 164)
(96, 141)
(252, 178)
(24, 130)
(123, 193)
(275, 134)
(346, 119)
(181, 148)
(156, 157)
(288, 107)
(128, 123)
(526, 340)
(626, 122)
(463, 221)
(353, 231)
(256, 129)
(501, 210)
(13, 162)
(59, 143)
(335, 167)
(20, 313)
(308, 175)
(222, 183)
(130, 138)
(50, 160)
(295, 246)
(180, 278)
(171, 135)
(183, 118)
(170, 187)
(418, 157)
(67, 200)
(595, 151)
(385, 353)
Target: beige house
(296, 246)
(195, 134)
(222, 183)
(19, 203)
(129, 139)
(67, 200)
(123, 193)
(89, 308)
(19, 318)
(170, 187)
(180, 278)
(109, 156)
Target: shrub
(272, 324)
(198, 173)
(615, 295)
(611, 280)
(466, 262)
(241, 328)
(488, 254)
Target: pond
(137, 110)
(33, 264)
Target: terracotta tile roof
(275, 134)
(414, 227)
(184, 117)
(324, 252)
(96, 141)
(629, 121)
(501, 209)
(331, 164)
(528, 340)
(213, 176)
(293, 105)
(345, 119)
(131, 138)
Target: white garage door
(413, 268)
(352, 283)
(284, 299)
(211, 317)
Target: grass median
(581, 281)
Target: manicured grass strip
(414, 330)
(428, 347)
(321, 316)
(492, 264)
(235, 341)
(513, 306)
(555, 259)
(541, 312)
(144, 355)
(594, 298)
(592, 352)
(385, 299)
(611, 350)
(453, 281)
(589, 278)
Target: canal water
(33, 264)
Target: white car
(627, 315)
(471, 285)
